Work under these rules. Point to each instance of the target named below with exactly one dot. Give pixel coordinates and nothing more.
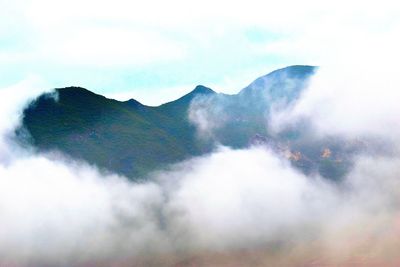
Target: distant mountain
(132, 139)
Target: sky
(156, 51)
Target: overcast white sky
(155, 51)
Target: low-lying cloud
(244, 207)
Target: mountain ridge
(201, 89)
(133, 139)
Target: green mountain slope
(132, 139)
(126, 137)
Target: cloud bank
(245, 207)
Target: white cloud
(356, 90)
(59, 212)
(133, 32)
(104, 47)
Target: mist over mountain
(133, 139)
(248, 179)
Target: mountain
(132, 139)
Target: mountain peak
(76, 92)
(295, 71)
(197, 91)
(76, 89)
(201, 89)
(280, 83)
(133, 103)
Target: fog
(246, 207)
